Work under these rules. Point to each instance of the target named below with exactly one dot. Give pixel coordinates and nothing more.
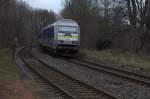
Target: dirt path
(17, 90)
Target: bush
(104, 44)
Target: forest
(105, 24)
(20, 21)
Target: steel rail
(86, 88)
(62, 94)
(142, 79)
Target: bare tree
(19, 20)
(83, 11)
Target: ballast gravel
(113, 85)
(133, 69)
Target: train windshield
(68, 29)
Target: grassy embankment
(120, 58)
(8, 69)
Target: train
(61, 37)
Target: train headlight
(74, 42)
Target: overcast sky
(55, 5)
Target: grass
(8, 69)
(121, 58)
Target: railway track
(51, 90)
(54, 92)
(134, 77)
(68, 87)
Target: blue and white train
(62, 37)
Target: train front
(68, 37)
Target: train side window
(48, 33)
(51, 32)
(44, 34)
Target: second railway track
(70, 87)
(134, 77)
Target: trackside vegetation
(8, 69)
(120, 57)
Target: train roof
(67, 22)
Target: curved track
(134, 77)
(68, 87)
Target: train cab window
(72, 29)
